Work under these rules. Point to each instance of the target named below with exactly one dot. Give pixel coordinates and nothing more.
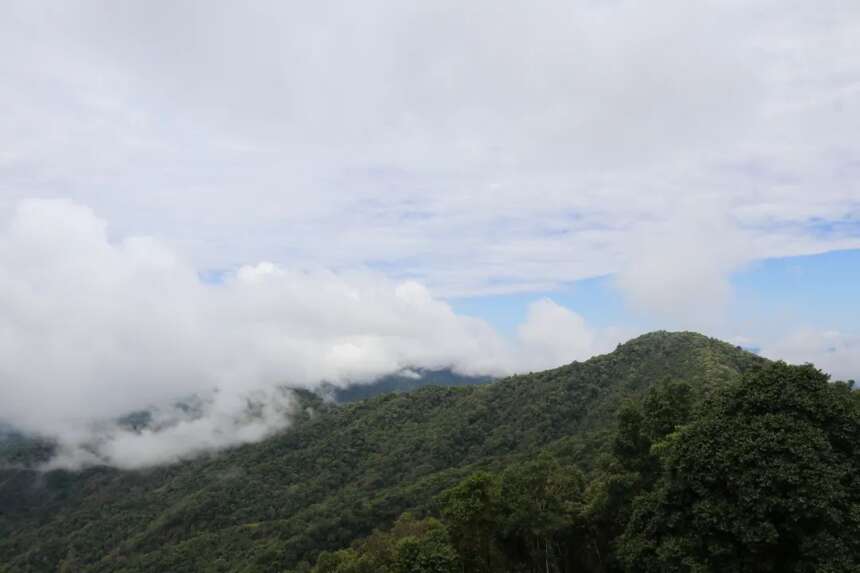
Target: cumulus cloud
(95, 328)
(680, 267)
(552, 335)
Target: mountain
(406, 381)
(341, 470)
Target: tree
(633, 467)
(540, 502)
(766, 479)
(430, 552)
(410, 546)
(471, 511)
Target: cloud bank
(94, 328)
(477, 148)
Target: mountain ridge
(341, 470)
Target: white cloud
(474, 147)
(553, 335)
(93, 329)
(224, 419)
(680, 267)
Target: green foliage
(410, 546)
(471, 509)
(666, 406)
(524, 518)
(541, 507)
(763, 476)
(633, 466)
(766, 479)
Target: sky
(210, 199)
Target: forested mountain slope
(340, 471)
(404, 382)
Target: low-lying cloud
(94, 328)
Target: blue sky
(816, 290)
(770, 296)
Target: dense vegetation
(674, 453)
(761, 476)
